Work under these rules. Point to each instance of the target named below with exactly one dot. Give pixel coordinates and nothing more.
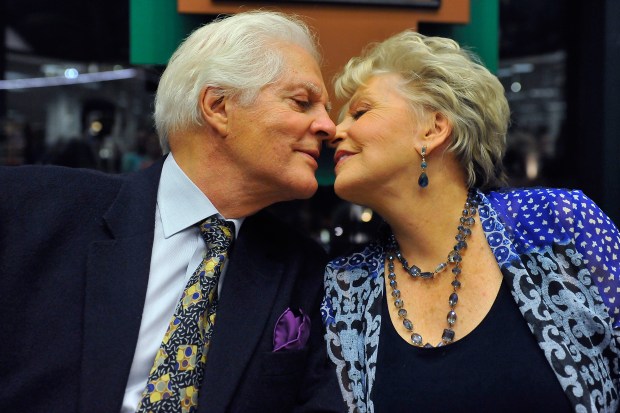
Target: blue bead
(454, 256)
(451, 317)
(448, 335)
(423, 180)
(408, 324)
(460, 245)
(454, 298)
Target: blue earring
(423, 179)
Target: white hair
(236, 55)
(438, 75)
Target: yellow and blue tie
(177, 372)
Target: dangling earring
(423, 179)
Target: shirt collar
(181, 203)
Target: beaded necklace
(454, 257)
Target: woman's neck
(425, 220)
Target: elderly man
(169, 290)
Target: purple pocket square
(291, 331)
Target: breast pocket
(276, 387)
(284, 363)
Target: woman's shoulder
(365, 256)
(522, 198)
(538, 204)
(357, 269)
(540, 216)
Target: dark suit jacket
(75, 249)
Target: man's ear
(213, 107)
(438, 131)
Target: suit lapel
(250, 288)
(118, 271)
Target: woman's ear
(437, 133)
(213, 107)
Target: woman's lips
(341, 155)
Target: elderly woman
(478, 297)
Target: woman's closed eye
(358, 113)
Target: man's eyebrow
(314, 89)
(318, 92)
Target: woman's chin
(350, 191)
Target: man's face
(276, 140)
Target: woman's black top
(498, 367)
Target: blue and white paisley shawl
(560, 255)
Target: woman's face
(374, 143)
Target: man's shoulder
(44, 178)
(51, 191)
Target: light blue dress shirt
(177, 251)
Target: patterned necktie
(177, 373)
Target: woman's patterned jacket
(560, 255)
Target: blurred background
(77, 80)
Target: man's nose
(323, 127)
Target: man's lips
(312, 155)
(315, 153)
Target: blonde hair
(235, 54)
(438, 75)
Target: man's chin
(305, 191)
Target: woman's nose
(337, 137)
